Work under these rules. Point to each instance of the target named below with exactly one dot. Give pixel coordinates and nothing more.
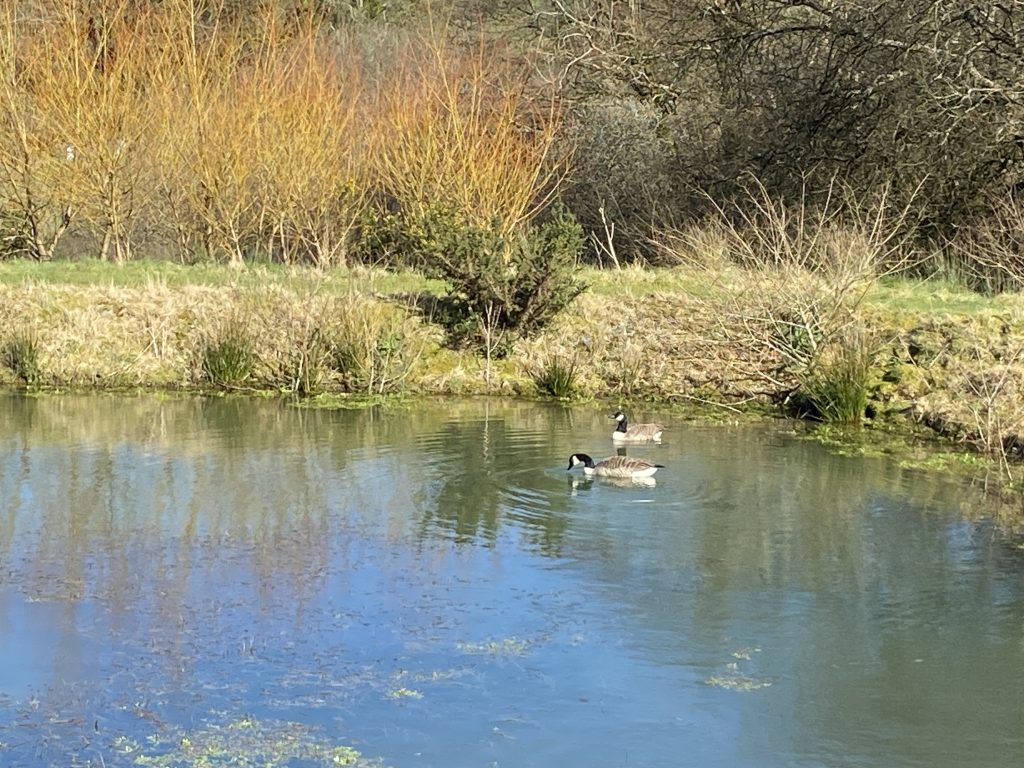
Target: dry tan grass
(790, 279)
(964, 379)
(152, 336)
(662, 345)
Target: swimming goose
(614, 466)
(637, 433)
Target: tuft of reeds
(307, 365)
(836, 385)
(228, 359)
(557, 376)
(20, 354)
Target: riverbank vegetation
(922, 353)
(808, 207)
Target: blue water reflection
(430, 587)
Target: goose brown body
(615, 466)
(637, 433)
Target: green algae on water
(241, 743)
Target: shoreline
(660, 340)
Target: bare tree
(925, 96)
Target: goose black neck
(587, 461)
(621, 426)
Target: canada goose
(637, 433)
(614, 466)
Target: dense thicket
(669, 108)
(678, 100)
(304, 133)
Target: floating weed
(946, 461)
(242, 743)
(435, 675)
(353, 402)
(908, 450)
(733, 680)
(404, 693)
(846, 441)
(125, 745)
(511, 646)
(746, 654)
(739, 683)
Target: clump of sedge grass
(837, 385)
(557, 377)
(20, 353)
(228, 359)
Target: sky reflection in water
(431, 587)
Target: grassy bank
(941, 358)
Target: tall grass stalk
(308, 364)
(374, 349)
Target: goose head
(579, 458)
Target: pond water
(189, 582)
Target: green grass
(936, 297)
(228, 361)
(838, 389)
(637, 281)
(146, 272)
(901, 295)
